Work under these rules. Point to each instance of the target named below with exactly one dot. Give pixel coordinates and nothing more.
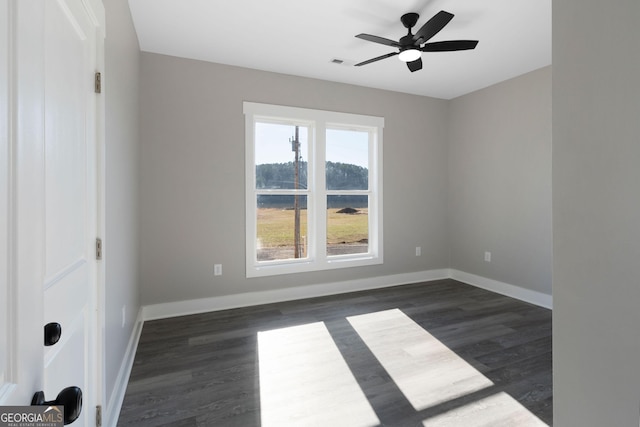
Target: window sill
(275, 269)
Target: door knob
(70, 398)
(52, 333)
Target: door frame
(6, 185)
(101, 192)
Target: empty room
(414, 213)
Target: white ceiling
(302, 37)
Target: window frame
(318, 121)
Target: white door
(54, 49)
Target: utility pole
(296, 203)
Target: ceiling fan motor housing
(406, 41)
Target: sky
(273, 146)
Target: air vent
(337, 61)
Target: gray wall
(122, 62)
(500, 181)
(596, 212)
(192, 176)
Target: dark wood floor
(202, 370)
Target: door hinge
(98, 249)
(99, 416)
(98, 82)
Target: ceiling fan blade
(432, 26)
(449, 45)
(376, 39)
(415, 65)
(388, 55)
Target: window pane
(347, 225)
(347, 160)
(275, 152)
(278, 237)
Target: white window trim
(318, 121)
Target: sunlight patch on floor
(305, 381)
(425, 370)
(497, 410)
(428, 373)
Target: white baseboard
(523, 294)
(181, 308)
(203, 305)
(112, 412)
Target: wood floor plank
(203, 369)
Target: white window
(313, 189)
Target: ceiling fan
(411, 45)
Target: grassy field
(275, 227)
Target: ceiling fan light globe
(409, 55)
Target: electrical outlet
(487, 256)
(418, 251)
(217, 270)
